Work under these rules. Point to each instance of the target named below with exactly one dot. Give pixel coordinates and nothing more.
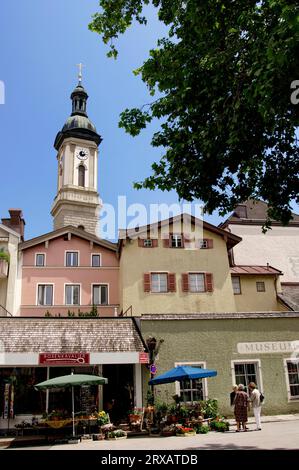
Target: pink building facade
(69, 271)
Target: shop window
(100, 294)
(236, 284)
(246, 372)
(260, 286)
(71, 258)
(18, 393)
(191, 390)
(45, 294)
(293, 378)
(72, 294)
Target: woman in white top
(254, 399)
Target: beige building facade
(190, 272)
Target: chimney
(15, 222)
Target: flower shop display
(117, 434)
(184, 431)
(219, 425)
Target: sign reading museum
(269, 347)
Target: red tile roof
(254, 270)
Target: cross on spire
(80, 72)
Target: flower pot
(116, 438)
(134, 418)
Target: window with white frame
(39, 259)
(236, 284)
(71, 258)
(246, 372)
(293, 377)
(100, 294)
(197, 282)
(176, 241)
(191, 390)
(147, 243)
(45, 294)
(72, 294)
(96, 260)
(260, 286)
(159, 282)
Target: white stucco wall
(279, 247)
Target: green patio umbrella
(71, 380)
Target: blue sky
(41, 43)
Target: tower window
(81, 175)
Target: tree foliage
(222, 78)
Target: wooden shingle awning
(106, 340)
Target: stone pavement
(278, 432)
(270, 419)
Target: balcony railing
(4, 312)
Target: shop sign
(143, 358)
(64, 359)
(268, 347)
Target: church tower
(77, 201)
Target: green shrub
(219, 426)
(204, 429)
(209, 408)
(4, 255)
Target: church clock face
(82, 153)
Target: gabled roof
(265, 270)
(9, 230)
(231, 239)
(254, 212)
(65, 230)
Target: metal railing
(126, 312)
(4, 312)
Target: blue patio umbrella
(181, 373)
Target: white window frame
(147, 243)
(176, 237)
(80, 293)
(201, 364)
(38, 265)
(100, 284)
(65, 256)
(45, 284)
(285, 363)
(204, 283)
(240, 290)
(260, 282)
(258, 371)
(96, 254)
(159, 273)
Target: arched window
(81, 175)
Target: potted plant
(172, 413)
(168, 430)
(117, 434)
(184, 431)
